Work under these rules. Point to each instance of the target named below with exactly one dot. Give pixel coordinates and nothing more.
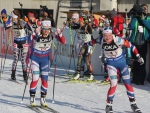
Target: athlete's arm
(127, 44)
(59, 36)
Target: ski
(104, 82)
(90, 81)
(81, 80)
(34, 108)
(47, 109)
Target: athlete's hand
(58, 32)
(38, 30)
(140, 60)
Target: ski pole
(21, 9)
(6, 50)
(26, 82)
(71, 55)
(54, 77)
(53, 59)
(2, 52)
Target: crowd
(124, 42)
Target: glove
(26, 19)
(143, 15)
(38, 30)
(140, 60)
(4, 19)
(58, 32)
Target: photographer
(140, 25)
(46, 14)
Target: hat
(13, 15)
(4, 11)
(46, 24)
(107, 30)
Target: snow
(69, 97)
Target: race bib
(42, 46)
(19, 33)
(85, 37)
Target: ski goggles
(107, 30)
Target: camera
(44, 8)
(137, 10)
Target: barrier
(65, 50)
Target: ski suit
(116, 60)
(86, 48)
(20, 46)
(40, 60)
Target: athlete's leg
(23, 60)
(112, 73)
(16, 51)
(44, 69)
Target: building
(68, 5)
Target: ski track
(69, 97)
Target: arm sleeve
(129, 45)
(61, 38)
(146, 23)
(132, 24)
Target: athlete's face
(3, 15)
(45, 31)
(15, 20)
(108, 37)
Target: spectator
(46, 14)
(5, 19)
(140, 26)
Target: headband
(13, 15)
(46, 24)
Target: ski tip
(53, 102)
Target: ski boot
(91, 78)
(108, 108)
(43, 101)
(13, 76)
(106, 81)
(82, 70)
(87, 72)
(25, 75)
(32, 99)
(134, 106)
(77, 76)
